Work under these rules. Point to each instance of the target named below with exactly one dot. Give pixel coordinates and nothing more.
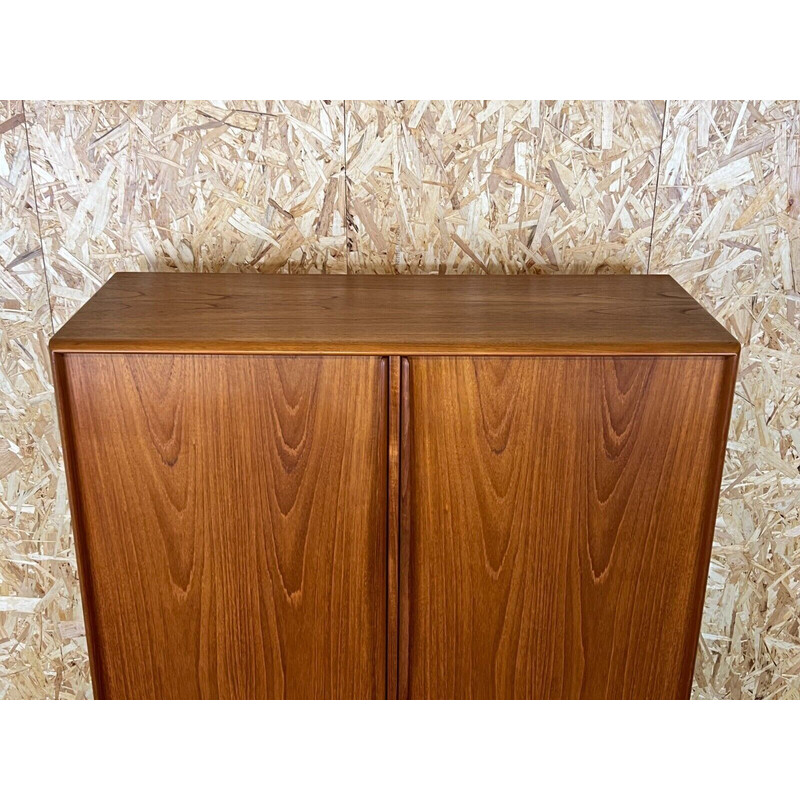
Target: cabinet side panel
(560, 526)
(233, 522)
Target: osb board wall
(469, 186)
(414, 186)
(42, 650)
(189, 186)
(727, 226)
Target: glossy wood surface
(393, 315)
(392, 527)
(230, 519)
(404, 534)
(560, 520)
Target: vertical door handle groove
(391, 367)
(405, 532)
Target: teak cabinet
(393, 486)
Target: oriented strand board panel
(493, 186)
(429, 184)
(42, 647)
(191, 186)
(727, 227)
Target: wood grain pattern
(404, 534)
(392, 364)
(231, 523)
(187, 190)
(394, 315)
(562, 513)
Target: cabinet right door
(556, 523)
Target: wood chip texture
(727, 227)
(469, 186)
(240, 186)
(708, 191)
(42, 644)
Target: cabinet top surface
(393, 315)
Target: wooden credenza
(393, 486)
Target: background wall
(708, 191)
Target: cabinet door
(230, 516)
(558, 516)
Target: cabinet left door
(230, 522)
